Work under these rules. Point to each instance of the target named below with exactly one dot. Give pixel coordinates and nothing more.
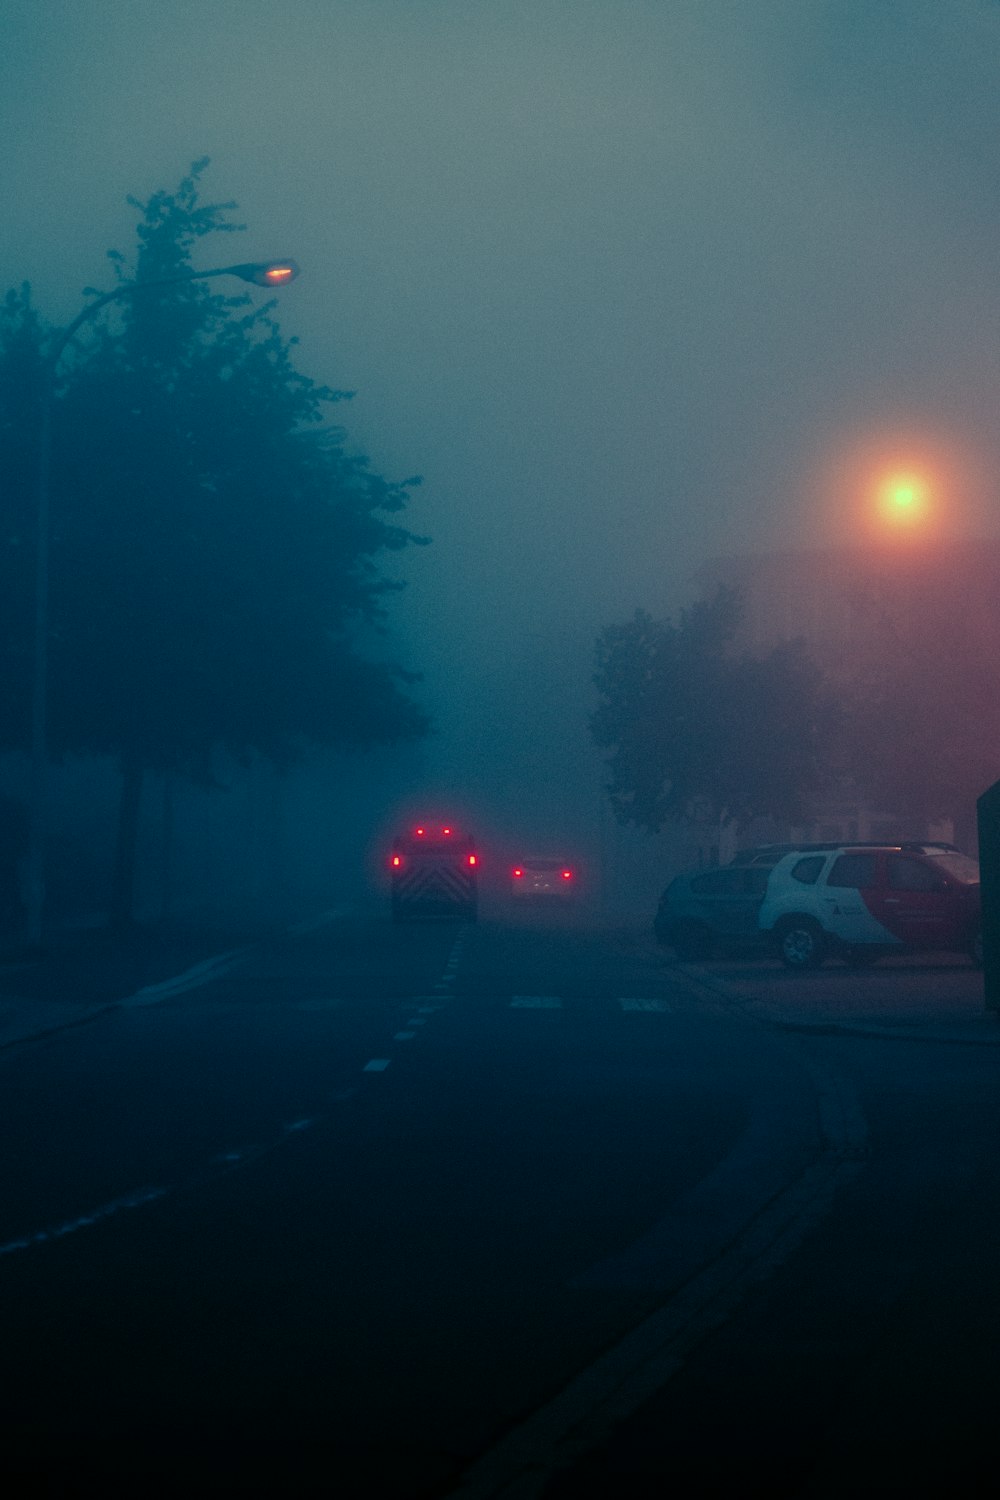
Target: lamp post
(261, 273)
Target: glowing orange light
(903, 499)
(396, 861)
(275, 274)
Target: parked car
(703, 912)
(860, 901)
(707, 911)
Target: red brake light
(472, 859)
(518, 872)
(567, 874)
(396, 861)
(420, 832)
(446, 830)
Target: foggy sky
(619, 278)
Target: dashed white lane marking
(84, 1221)
(377, 1065)
(644, 1004)
(536, 1002)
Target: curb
(203, 972)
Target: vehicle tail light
(396, 862)
(567, 874)
(518, 872)
(472, 859)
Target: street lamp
(271, 273)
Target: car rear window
(807, 870)
(909, 874)
(958, 866)
(854, 870)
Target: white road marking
(377, 1065)
(536, 1002)
(190, 979)
(84, 1221)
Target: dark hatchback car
(710, 911)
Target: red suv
(863, 900)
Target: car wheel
(801, 944)
(691, 943)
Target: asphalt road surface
(515, 1209)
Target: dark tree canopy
(686, 721)
(215, 544)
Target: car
(542, 877)
(861, 901)
(705, 911)
(708, 911)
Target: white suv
(863, 900)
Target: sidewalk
(87, 971)
(930, 1003)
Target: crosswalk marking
(536, 1002)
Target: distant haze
(631, 283)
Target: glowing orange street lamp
(903, 500)
(264, 273)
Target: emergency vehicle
(433, 871)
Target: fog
(630, 283)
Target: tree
(687, 721)
(215, 545)
(21, 373)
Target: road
(514, 1209)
